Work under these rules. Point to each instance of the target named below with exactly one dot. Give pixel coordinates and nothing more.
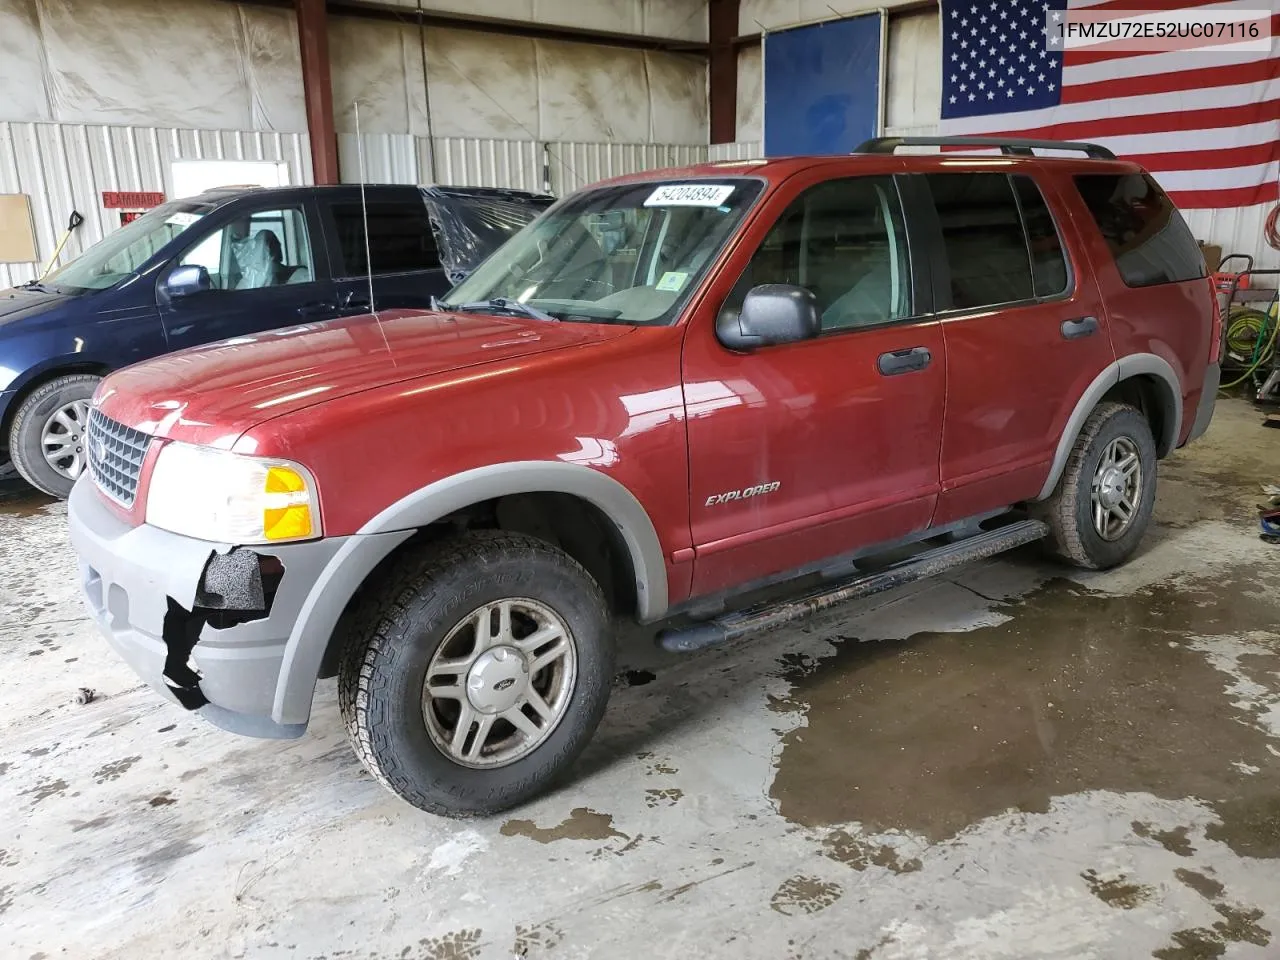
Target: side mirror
(186, 280)
(772, 313)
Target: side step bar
(765, 616)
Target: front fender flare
(358, 557)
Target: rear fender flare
(361, 553)
(1134, 365)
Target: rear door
(1024, 329)
(406, 269)
(267, 265)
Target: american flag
(1206, 124)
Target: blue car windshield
(119, 255)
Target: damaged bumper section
(206, 625)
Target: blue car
(227, 263)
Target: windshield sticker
(672, 281)
(183, 219)
(689, 195)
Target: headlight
(214, 495)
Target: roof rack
(1011, 148)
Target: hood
(213, 394)
(20, 303)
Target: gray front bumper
(129, 574)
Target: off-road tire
(25, 448)
(1068, 512)
(396, 630)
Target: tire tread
(17, 455)
(362, 674)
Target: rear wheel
(47, 440)
(478, 674)
(1100, 510)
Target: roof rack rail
(1012, 148)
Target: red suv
(668, 391)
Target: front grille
(116, 453)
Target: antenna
(364, 211)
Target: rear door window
(1001, 242)
(1048, 262)
(400, 237)
(1146, 234)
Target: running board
(765, 616)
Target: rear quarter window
(1146, 234)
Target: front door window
(269, 248)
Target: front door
(401, 243)
(263, 270)
(805, 451)
(1025, 336)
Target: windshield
(120, 254)
(625, 254)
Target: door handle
(1079, 327)
(904, 361)
(317, 309)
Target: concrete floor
(1025, 763)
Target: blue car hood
(21, 303)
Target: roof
(776, 169)
(220, 195)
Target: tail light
(1215, 341)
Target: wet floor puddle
(1077, 691)
(19, 499)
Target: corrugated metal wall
(65, 167)
(742, 150)
(558, 166)
(1239, 231)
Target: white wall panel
(676, 19)
(483, 89)
(22, 75)
(65, 167)
(197, 63)
(756, 15)
(750, 115)
(482, 85)
(913, 89)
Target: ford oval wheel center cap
(498, 680)
(1111, 487)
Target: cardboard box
(17, 232)
(1212, 255)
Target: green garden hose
(1247, 335)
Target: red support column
(722, 70)
(313, 39)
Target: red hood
(213, 394)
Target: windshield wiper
(34, 285)
(504, 304)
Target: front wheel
(1100, 509)
(47, 440)
(478, 674)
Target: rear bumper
(1208, 399)
(140, 585)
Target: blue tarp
(822, 87)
